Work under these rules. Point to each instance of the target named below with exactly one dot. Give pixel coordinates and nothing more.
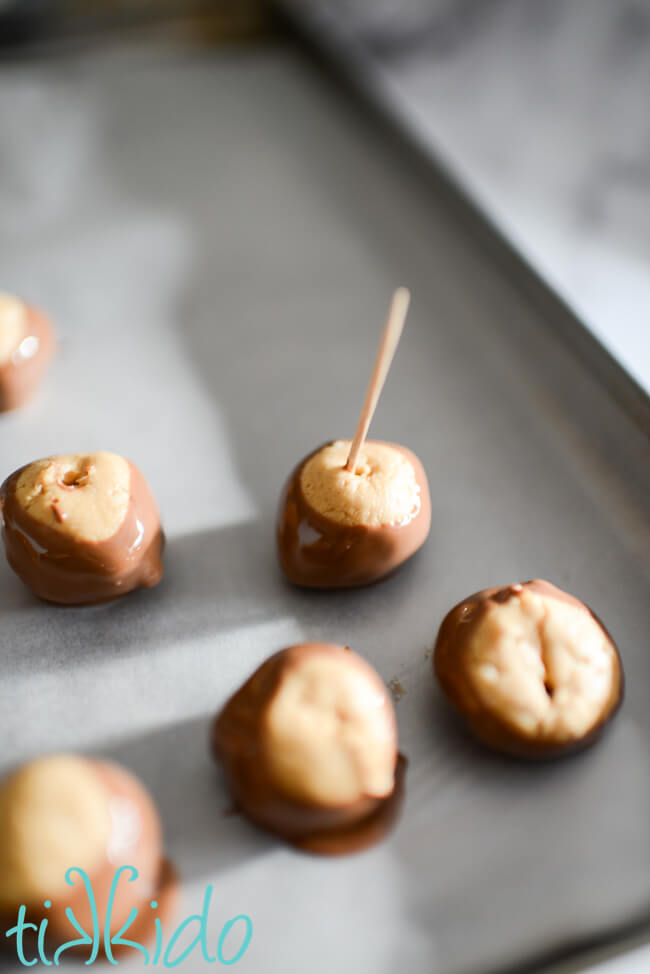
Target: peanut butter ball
(65, 812)
(530, 668)
(339, 529)
(309, 743)
(81, 528)
(26, 349)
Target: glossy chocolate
(69, 571)
(21, 375)
(317, 552)
(452, 647)
(237, 742)
(135, 840)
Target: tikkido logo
(234, 938)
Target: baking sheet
(217, 238)
(541, 120)
(362, 58)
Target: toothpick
(387, 348)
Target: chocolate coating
(238, 743)
(316, 552)
(21, 375)
(70, 571)
(139, 818)
(135, 840)
(367, 832)
(452, 659)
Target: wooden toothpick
(387, 348)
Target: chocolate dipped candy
(354, 510)
(309, 748)
(530, 668)
(63, 814)
(26, 349)
(81, 528)
(338, 528)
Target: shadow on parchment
(202, 835)
(215, 581)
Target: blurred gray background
(541, 111)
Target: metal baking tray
(217, 237)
